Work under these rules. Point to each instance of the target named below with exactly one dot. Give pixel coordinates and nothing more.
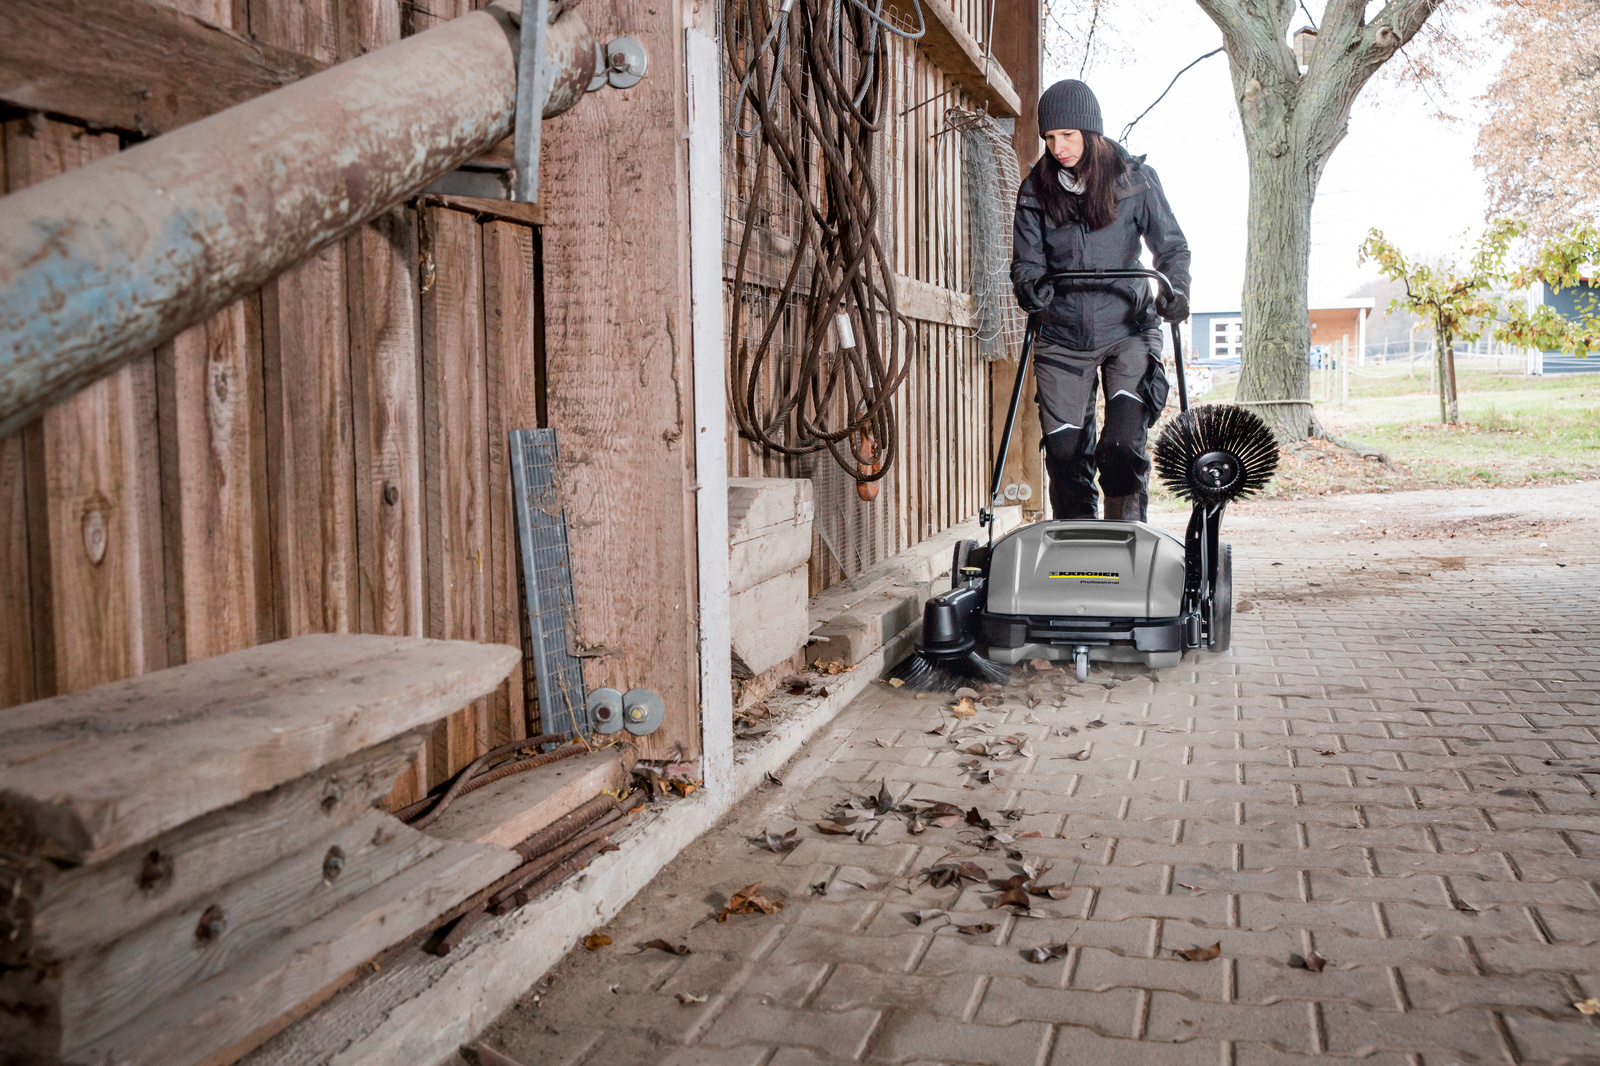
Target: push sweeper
(1100, 590)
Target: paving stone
(1206, 812)
(906, 1036)
(748, 1020)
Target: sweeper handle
(986, 513)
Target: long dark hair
(1102, 164)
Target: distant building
(1571, 303)
(1216, 338)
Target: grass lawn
(1514, 430)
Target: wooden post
(1017, 42)
(1344, 370)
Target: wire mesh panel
(990, 189)
(547, 580)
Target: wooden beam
(514, 808)
(932, 303)
(1018, 40)
(505, 210)
(954, 51)
(132, 64)
(176, 744)
(617, 332)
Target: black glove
(1035, 295)
(1173, 307)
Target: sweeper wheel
(1080, 660)
(1222, 602)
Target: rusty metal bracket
(533, 88)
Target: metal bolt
(637, 713)
(332, 864)
(156, 871)
(213, 923)
(620, 62)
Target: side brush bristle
(1199, 432)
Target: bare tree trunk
(1275, 373)
(1452, 409)
(1292, 121)
(1447, 343)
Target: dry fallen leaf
(1312, 962)
(747, 901)
(687, 998)
(1014, 897)
(1590, 1006)
(796, 685)
(820, 888)
(1200, 954)
(941, 730)
(895, 682)
(1045, 954)
(596, 941)
(783, 844)
(1077, 756)
(963, 708)
(670, 948)
(774, 778)
(918, 917)
(1098, 723)
(835, 829)
(965, 693)
(976, 930)
(1040, 665)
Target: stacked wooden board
(190, 858)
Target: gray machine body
(1089, 571)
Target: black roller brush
(945, 660)
(1216, 454)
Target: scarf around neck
(1070, 181)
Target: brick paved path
(1385, 771)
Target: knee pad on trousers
(1069, 458)
(1121, 456)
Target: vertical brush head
(1216, 453)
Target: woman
(1085, 206)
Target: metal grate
(991, 174)
(547, 580)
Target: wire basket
(991, 176)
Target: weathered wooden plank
(176, 744)
(953, 49)
(504, 210)
(98, 550)
(18, 683)
(933, 303)
(306, 27)
(514, 808)
(133, 64)
(214, 499)
(72, 910)
(114, 985)
(514, 360)
(222, 1011)
(386, 401)
(617, 307)
(455, 460)
(310, 453)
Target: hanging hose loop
(820, 372)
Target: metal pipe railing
(108, 261)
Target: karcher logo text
(1088, 575)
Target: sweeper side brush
(1105, 590)
(1216, 454)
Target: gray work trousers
(1068, 383)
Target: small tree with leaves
(1461, 303)
(1559, 265)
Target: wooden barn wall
(943, 410)
(326, 455)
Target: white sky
(1401, 168)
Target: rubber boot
(1129, 508)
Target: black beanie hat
(1069, 105)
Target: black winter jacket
(1085, 316)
